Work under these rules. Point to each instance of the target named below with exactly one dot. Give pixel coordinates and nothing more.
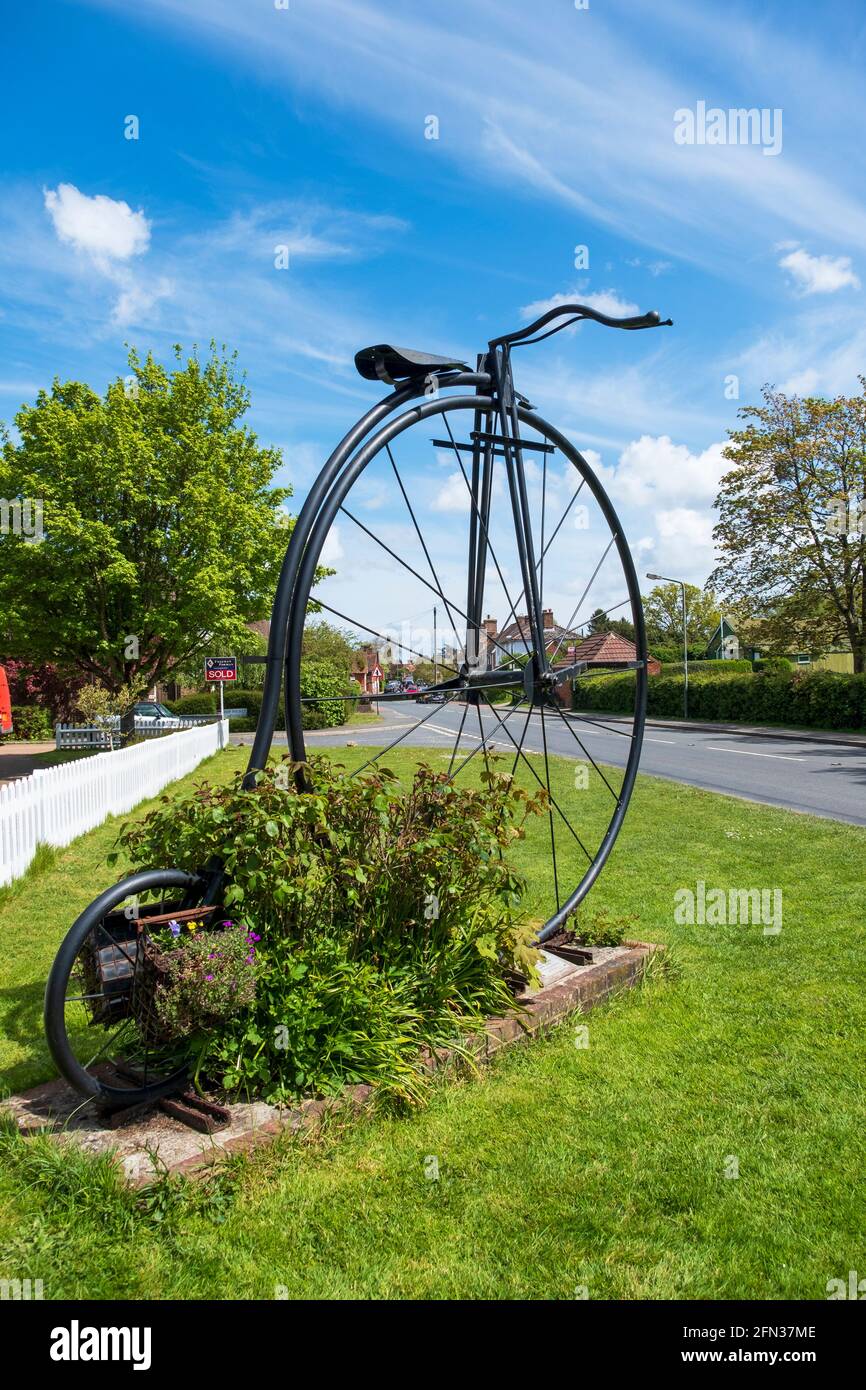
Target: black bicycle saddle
(382, 362)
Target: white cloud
(105, 228)
(819, 274)
(136, 299)
(453, 495)
(655, 470)
(604, 301)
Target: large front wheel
(450, 548)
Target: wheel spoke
(487, 541)
(554, 533)
(521, 754)
(484, 742)
(423, 544)
(414, 572)
(373, 633)
(457, 740)
(481, 731)
(567, 627)
(587, 754)
(381, 753)
(109, 1042)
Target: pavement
(18, 759)
(818, 773)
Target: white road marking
(747, 753)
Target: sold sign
(220, 668)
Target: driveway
(19, 759)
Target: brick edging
(579, 992)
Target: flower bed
(385, 922)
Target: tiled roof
(519, 631)
(606, 647)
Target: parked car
(410, 688)
(393, 687)
(432, 697)
(5, 704)
(151, 711)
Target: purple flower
(174, 928)
(208, 977)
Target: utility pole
(435, 651)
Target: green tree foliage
(162, 533)
(600, 622)
(792, 519)
(324, 642)
(663, 612)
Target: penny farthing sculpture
(450, 492)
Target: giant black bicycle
(497, 511)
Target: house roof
(606, 647)
(519, 631)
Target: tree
(45, 685)
(792, 518)
(162, 534)
(105, 709)
(324, 642)
(600, 622)
(663, 612)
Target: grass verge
(607, 1167)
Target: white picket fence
(90, 736)
(54, 805)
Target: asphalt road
(823, 779)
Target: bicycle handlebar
(580, 311)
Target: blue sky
(305, 127)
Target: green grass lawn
(561, 1167)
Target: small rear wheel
(90, 1025)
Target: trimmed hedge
(772, 663)
(205, 703)
(815, 699)
(714, 668)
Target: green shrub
(317, 677)
(814, 699)
(203, 703)
(602, 929)
(772, 663)
(674, 653)
(31, 723)
(713, 668)
(388, 921)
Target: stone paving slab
(145, 1148)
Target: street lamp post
(666, 580)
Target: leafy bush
(388, 921)
(31, 723)
(603, 929)
(203, 703)
(713, 668)
(772, 663)
(674, 653)
(814, 699)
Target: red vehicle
(5, 705)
